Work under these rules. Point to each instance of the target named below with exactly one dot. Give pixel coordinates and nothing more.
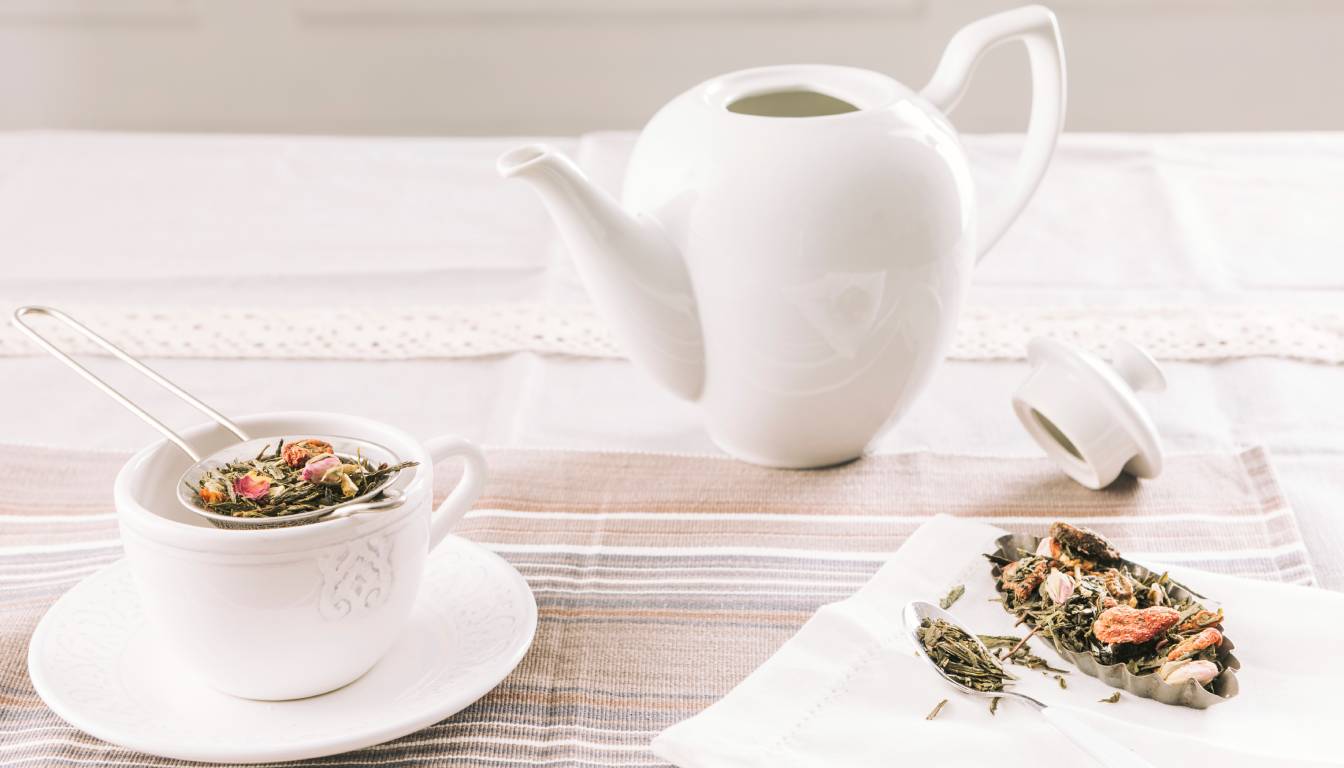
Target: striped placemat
(661, 580)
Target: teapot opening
(791, 103)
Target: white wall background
(565, 66)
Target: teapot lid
(1085, 413)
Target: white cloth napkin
(848, 690)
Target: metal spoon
(1102, 747)
(378, 497)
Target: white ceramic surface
(1084, 413)
(798, 276)
(96, 664)
(288, 612)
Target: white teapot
(795, 241)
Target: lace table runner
(464, 331)
(661, 580)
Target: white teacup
(285, 613)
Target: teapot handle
(1036, 27)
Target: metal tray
(1149, 686)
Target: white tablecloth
(156, 221)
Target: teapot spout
(634, 273)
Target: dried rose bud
(1048, 547)
(1177, 672)
(212, 493)
(252, 486)
(328, 470)
(318, 470)
(297, 453)
(1058, 586)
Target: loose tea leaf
(1062, 682)
(1113, 698)
(952, 597)
(960, 656)
(301, 476)
(938, 708)
(1020, 653)
(994, 705)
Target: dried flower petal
(297, 453)
(1123, 624)
(212, 493)
(252, 486)
(1205, 639)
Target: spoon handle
(1103, 747)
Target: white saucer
(93, 661)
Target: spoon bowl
(916, 611)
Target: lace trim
(985, 333)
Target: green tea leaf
(952, 597)
(938, 708)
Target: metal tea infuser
(349, 450)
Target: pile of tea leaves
(1076, 591)
(960, 656)
(295, 477)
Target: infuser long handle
(1036, 27)
(120, 354)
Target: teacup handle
(1036, 27)
(468, 488)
